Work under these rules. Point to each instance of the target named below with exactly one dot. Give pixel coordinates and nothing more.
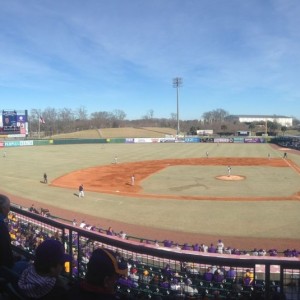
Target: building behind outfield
(282, 120)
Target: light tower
(177, 82)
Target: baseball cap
(105, 261)
(51, 252)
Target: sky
(107, 55)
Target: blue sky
(241, 56)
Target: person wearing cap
(103, 271)
(145, 277)
(133, 275)
(41, 280)
(6, 253)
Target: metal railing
(270, 274)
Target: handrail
(153, 253)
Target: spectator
(196, 247)
(110, 231)
(188, 288)
(42, 279)
(122, 235)
(145, 277)
(208, 274)
(218, 276)
(82, 224)
(262, 252)
(231, 274)
(295, 253)
(6, 254)
(103, 270)
(167, 271)
(133, 275)
(248, 277)
(273, 252)
(186, 246)
(165, 282)
(168, 243)
(33, 209)
(204, 248)
(220, 247)
(227, 250)
(174, 285)
(211, 248)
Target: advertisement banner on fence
(223, 140)
(238, 140)
(1, 144)
(26, 143)
(192, 139)
(146, 140)
(129, 140)
(155, 140)
(253, 140)
(167, 140)
(179, 140)
(12, 144)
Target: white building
(282, 120)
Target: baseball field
(179, 193)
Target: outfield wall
(186, 139)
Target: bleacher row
(162, 272)
(292, 142)
(218, 247)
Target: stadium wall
(187, 139)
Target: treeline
(67, 120)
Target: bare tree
(102, 119)
(217, 115)
(118, 118)
(149, 115)
(81, 113)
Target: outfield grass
(22, 170)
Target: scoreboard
(14, 122)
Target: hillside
(129, 132)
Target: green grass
(201, 181)
(22, 170)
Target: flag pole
(39, 133)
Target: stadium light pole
(177, 82)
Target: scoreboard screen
(13, 122)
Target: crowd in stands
(219, 247)
(40, 278)
(292, 142)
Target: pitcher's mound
(231, 177)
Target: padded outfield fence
(170, 273)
